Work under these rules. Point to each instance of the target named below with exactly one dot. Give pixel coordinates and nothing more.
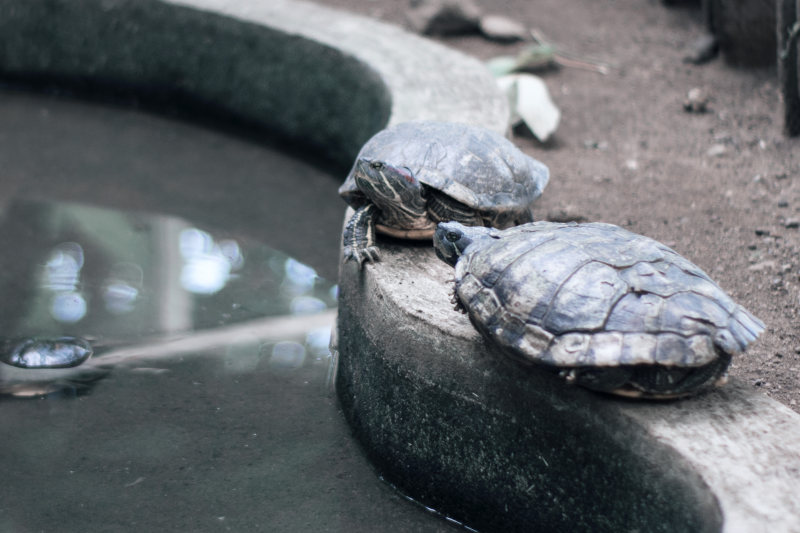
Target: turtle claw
(457, 305)
(369, 254)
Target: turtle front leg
(455, 300)
(359, 235)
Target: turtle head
(393, 188)
(451, 239)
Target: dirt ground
(720, 187)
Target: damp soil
(720, 187)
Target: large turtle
(610, 310)
(415, 174)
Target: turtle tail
(743, 329)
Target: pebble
(763, 265)
(499, 28)
(791, 223)
(595, 145)
(717, 150)
(696, 101)
(723, 137)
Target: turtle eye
(377, 165)
(452, 236)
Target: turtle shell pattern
(578, 295)
(473, 165)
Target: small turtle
(610, 310)
(415, 174)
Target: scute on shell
(594, 294)
(473, 165)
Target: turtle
(410, 176)
(606, 308)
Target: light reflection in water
(62, 277)
(304, 305)
(299, 278)
(318, 342)
(122, 287)
(63, 267)
(287, 355)
(128, 280)
(208, 265)
(68, 307)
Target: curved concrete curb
(309, 73)
(510, 448)
(425, 80)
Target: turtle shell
(596, 295)
(473, 165)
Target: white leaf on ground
(530, 103)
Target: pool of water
(198, 265)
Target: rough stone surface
(506, 447)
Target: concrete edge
(427, 81)
(506, 447)
(309, 73)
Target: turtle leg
(524, 217)
(359, 235)
(455, 300)
(443, 208)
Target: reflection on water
(33, 353)
(203, 421)
(143, 287)
(208, 265)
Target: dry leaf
(530, 103)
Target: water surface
(198, 264)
